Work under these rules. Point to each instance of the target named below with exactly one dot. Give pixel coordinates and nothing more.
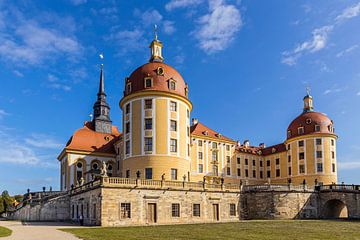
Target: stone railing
(339, 188)
(155, 184)
(277, 187)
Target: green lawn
(277, 230)
(4, 232)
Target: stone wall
(55, 209)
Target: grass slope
(4, 232)
(266, 230)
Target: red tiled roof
(273, 149)
(86, 139)
(200, 129)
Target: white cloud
(42, 141)
(316, 43)
(334, 89)
(358, 93)
(217, 29)
(18, 73)
(78, 2)
(128, 40)
(173, 4)
(149, 17)
(168, 27)
(53, 82)
(3, 113)
(349, 165)
(349, 12)
(346, 51)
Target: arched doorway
(335, 209)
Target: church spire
(308, 101)
(102, 121)
(156, 48)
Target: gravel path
(37, 230)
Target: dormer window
(288, 133)
(206, 133)
(128, 88)
(317, 128)
(186, 91)
(172, 84)
(301, 130)
(148, 82)
(331, 129)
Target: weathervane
(155, 32)
(101, 56)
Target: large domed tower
(311, 145)
(156, 121)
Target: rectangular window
(172, 85)
(261, 174)
(268, 163)
(302, 168)
(127, 108)
(127, 174)
(173, 145)
(148, 144)
(173, 174)
(228, 171)
(148, 103)
(333, 167)
(148, 123)
(175, 210)
(318, 141)
(261, 163)
(94, 211)
(246, 161)
(332, 154)
(127, 127)
(196, 210)
(228, 159)
(187, 113)
(214, 155)
(246, 173)
(127, 147)
(301, 143)
(232, 209)
(300, 130)
(319, 167)
(277, 172)
(214, 145)
(332, 142)
(239, 172)
(277, 161)
(148, 82)
(227, 147)
(301, 155)
(125, 210)
(188, 131)
(200, 155)
(319, 154)
(288, 147)
(200, 143)
(317, 128)
(254, 173)
(173, 125)
(289, 171)
(173, 106)
(289, 158)
(238, 160)
(200, 168)
(148, 173)
(268, 174)
(254, 163)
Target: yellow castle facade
(161, 141)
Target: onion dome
(310, 122)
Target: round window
(79, 165)
(308, 121)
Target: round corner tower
(311, 147)
(156, 121)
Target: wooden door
(151, 213)
(216, 212)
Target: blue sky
(247, 64)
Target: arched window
(79, 170)
(110, 169)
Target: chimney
(262, 145)
(238, 144)
(195, 121)
(246, 143)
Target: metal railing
(339, 187)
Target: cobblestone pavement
(37, 230)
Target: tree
(6, 200)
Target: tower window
(238, 160)
(301, 143)
(302, 168)
(173, 174)
(289, 158)
(228, 159)
(200, 168)
(148, 173)
(332, 154)
(172, 85)
(127, 127)
(277, 161)
(200, 155)
(289, 133)
(127, 108)
(148, 123)
(239, 172)
(332, 142)
(148, 103)
(319, 154)
(186, 91)
(288, 147)
(148, 82)
(228, 171)
(173, 106)
(289, 171)
(173, 125)
(333, 167)
(268, 163)
(173, 145)
(187, 113)
(319, 167)
(317, 128)
(128, 88)
(301, 155)
(127, 147)
(148, 144)
(301, 130)
(318, 141)
(277, 172)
